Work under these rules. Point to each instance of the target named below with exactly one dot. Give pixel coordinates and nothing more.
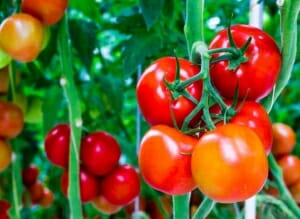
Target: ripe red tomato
(100, 152)
(121, 186)
(155, 99)
(30, 175)
(89, 185)
(165, 160)
(4, 206)
(290, 165)
(254, 116)
(284, 139)
(229, 164)
(47, 198)
(5, 155)
(21, 37)
(257, 76)
(57, 145)
(104, 206)
(11, 120)
(36, 192)
(48, 12)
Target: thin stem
(14, 212)
(204, 209)
(181, 204)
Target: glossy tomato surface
(165, 160)
(100, 152)
(229, 164)
(57, 145)
(5, 155)
(30, 175)
(47, 198)
(256, 77)
(21, 37)
(155, 99)
(48, 12)
(121, 186)
(290, 165)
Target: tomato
(89, 185)
(4, 80)
(254, 78)
(4, 207)
(290, 165)
(295, 191)
(21, 37)
(47, 198)
(57, 145)
(155, 99)
(104, 206)
(165, 160)
(121, 186)
(48, 12)
(254, 116)
(284, 139)
(229, 164)
(30, 175)
(100, 152)
(36, 192)
(5, 155)
(11, 120)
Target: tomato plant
(229, 164)
(121, 186)
(36, 192)
(30, 175)
(5, 155)
(4, 59)
(11, 120)
(21, 37)
(152, 91)
(290, 165)
(57, 144)
(100, 152)
(295, 191)
(165, 160)
(104, 206)
(48, 12)
(256, 76)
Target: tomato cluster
(103, 181)
(23, 35)
(208, 129)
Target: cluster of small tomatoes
(23, 35)
(229, 162)
(103, 181)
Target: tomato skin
(11, 120)
(48, 12)
(257, 76)
(100, 152)
(295, 191)
(21, 37)
(165, 161)
(36, 192)
(57, 145)
(155, 100)
(284, 139)
(290, 165)
(121, 186)
(254, 116)
(30, 175)
(4, 207)
(229, 164)
(5, 155)
(104, 206)
(47, 198)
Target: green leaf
(151, 10)
(88, 7)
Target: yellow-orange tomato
(104, 206)
(21, 37)
(5, 155)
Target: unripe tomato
(104, 206)
(57, 145)
(290, 165)
(5, 155)
(229, 164)
(21, 37)
(48, 12)
(30, 175)
(11, 120)
(100, 152)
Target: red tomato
(36, 192)
(47, 198)
(257, 76)
(121, 186)
(155, 99)
(21, 37)
(165, 160)
(48, 12)
(30, 175)
(4, 206)
(11, 120)
(229, 164)
(290, 165)
(284, 139)
(104, 206)
(57, 145)
(89, 185)
(100, 152)
(254, 116)
(5, 155)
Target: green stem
(70, 90)
(204, 209)
(289, 14)
(181, 206)
(285, 195)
